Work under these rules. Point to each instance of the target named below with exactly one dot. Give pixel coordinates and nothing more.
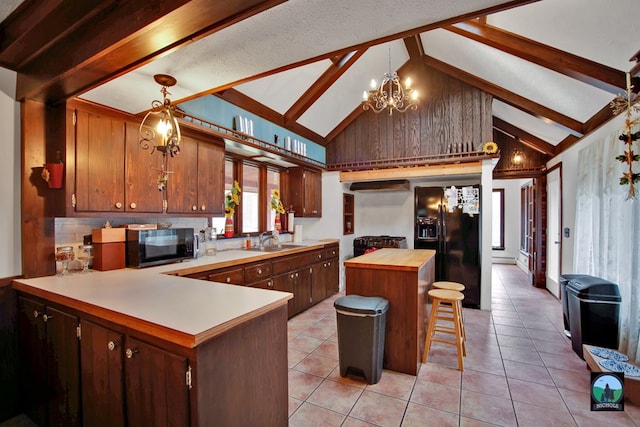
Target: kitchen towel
(297, 236)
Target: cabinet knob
(133, 205)
(259, 271)
(203, 208)
(319, 256)
(228, 280)
(270, 283)
(118, 205)
(46, 317)
(111, 346)
(129, 353)
(194, 208)
(36, 313)
(296, 274)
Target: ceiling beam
(506, 96)
(320, 86)
(584, 70)
(102, 46)
(241, 100)
(526, 138)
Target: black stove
(361, 244)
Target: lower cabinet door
(101, 355)
(156, 390)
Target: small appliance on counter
(361, 244)
(146, 248)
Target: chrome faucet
(264, 237)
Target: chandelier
(159, 130)
(390, 94)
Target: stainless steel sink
(271, 248)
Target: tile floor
(520, 370)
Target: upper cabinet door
(99, 175)
(305, 192)
(182, 186)
(210, 178)
(142, 168)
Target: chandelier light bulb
(407, 83)
(365, 95)
(374, 85)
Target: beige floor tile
(436, 396)
(536, 394)
(379, 409)
(308, 415)
(487, 408)
(316, 365)
(531, 416)
(486, 383)
(394, 384)
(338, 397)
(528, 372)
(419, 416)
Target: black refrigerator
(448, 221)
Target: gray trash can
(594, 308)
(564, 281)
(361, 329)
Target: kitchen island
(402, 276)
(149, 347)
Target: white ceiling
(297, 31)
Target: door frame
(551, 239)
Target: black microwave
(146, 248)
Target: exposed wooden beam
(241, 100)
(566, 143)
(526, 138)
(506, 96)
(414, 48)
(590, 72)
(113, 42)
(323, 83)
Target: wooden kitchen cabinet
(99, 163)
(157, 386)
(50, 356)
(298, 282)
(101, 374)
(196, 184)
(305, 192)
(141, 174)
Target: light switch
(567, 232)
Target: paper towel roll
(290, 220)
(297, 235)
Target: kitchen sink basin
(270, 248)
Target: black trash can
(594, 308)
(361, 322)
(564, 281)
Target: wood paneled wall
(450, 112)
(508, 145)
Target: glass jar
(85, 256)
(211, 241)
(64, 254)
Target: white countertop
(185, 311)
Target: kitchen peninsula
(155, 348)
(403, 277)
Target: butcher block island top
(392, 259)
(402, 276)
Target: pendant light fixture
(159, 130)
(390, 95)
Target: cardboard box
(109, 256)
(108, 235)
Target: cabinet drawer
(332, 252)
(317, 256)
(234, 276)
(255, 272)
(292, 263)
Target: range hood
(388, 185)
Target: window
(497, 222)
(250, 198)
(273, 183)
(217, 222)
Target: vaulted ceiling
(552, 66)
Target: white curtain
(607, 230)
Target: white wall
(569, 159)
(511, 250)
(10, 243)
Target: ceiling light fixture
(518, 158)
(390, 94)
(159, 130)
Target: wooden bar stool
(439, 322)
(452, 286)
